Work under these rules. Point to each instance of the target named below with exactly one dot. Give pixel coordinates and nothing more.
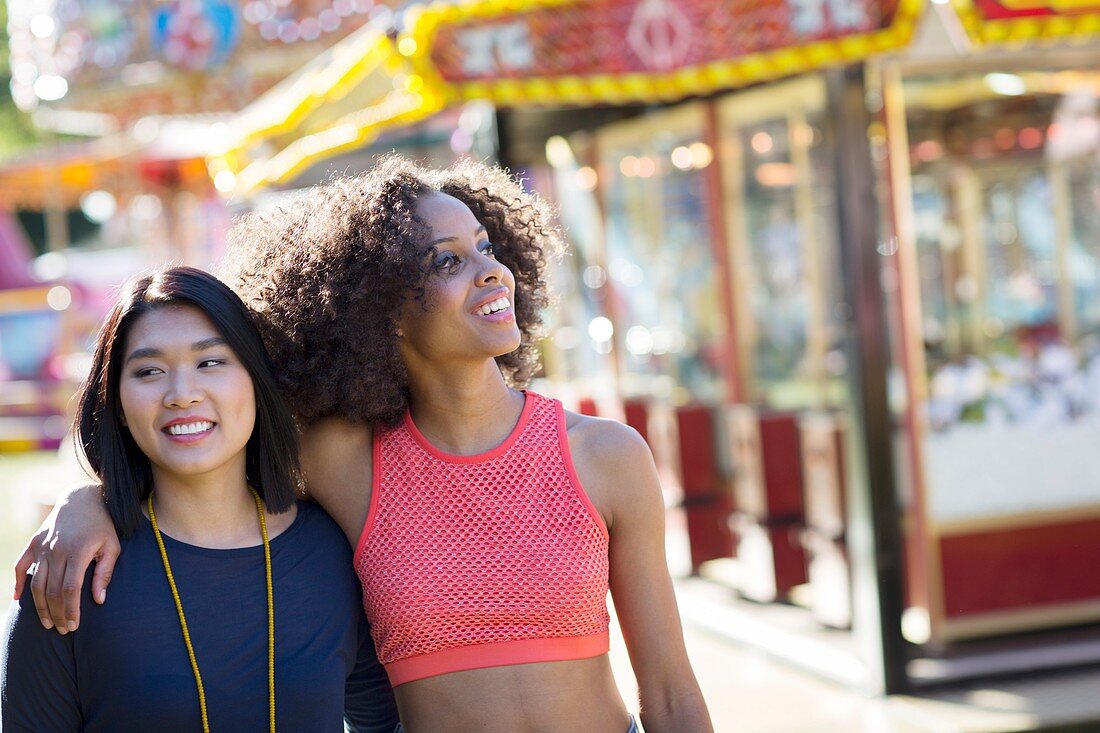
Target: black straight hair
(272, 464)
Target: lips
(491, 300)
(496, 306)
(188, 429)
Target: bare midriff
(578, 696)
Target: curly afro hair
(326, 276)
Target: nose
(183, 391)
(491, 272)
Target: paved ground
(750, 691)
(747, 691)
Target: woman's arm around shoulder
(337, 465)
(616, 468)
(77, 531)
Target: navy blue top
(126, 667)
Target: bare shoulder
(336, 462)
(613, 462)
(609, 440)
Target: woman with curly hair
(401, 308)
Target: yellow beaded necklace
(183, 619)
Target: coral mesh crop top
(484, 560)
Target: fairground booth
(837, 260)
(129, 98)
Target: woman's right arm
(76, 532)
(37, 676)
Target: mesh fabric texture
(473, 561)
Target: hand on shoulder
(75, 533)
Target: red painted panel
(636, 415)
(707, 502)
(771, 557)
(698, 461)
(994, 10)
(790, 557)
(587, 406)
(709, 536)
(782, 463)
(1022, 567)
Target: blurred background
(837, 260)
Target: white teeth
(497, 305)
(190, 428)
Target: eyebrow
(441, 240)
(148, 353)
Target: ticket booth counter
(1003, 262)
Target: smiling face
(186, 398)
(467, 312)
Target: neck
(217, 515)
(464, 412)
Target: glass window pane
(669, 325)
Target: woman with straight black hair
(271, 453)
(237, 608)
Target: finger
(55, 592)
(104, 570)
(22, 567)
(70, 592)
(38, 592)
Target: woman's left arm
(617, 464)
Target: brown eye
(445, 262)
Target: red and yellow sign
(1021, 21)
(613, 51)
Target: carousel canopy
(341, 100)
(134, 58)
